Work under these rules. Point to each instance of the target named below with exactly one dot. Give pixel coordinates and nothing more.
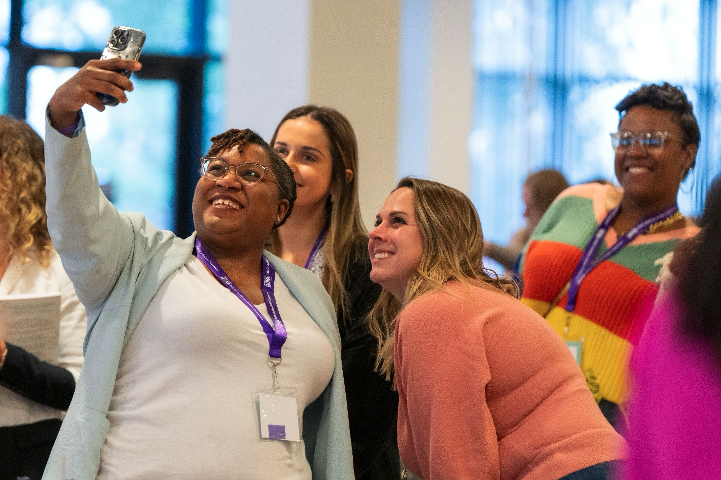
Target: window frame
(558, 78)
(187, 72)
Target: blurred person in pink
(674, 426)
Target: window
(549, 74)
(146, 152)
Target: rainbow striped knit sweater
(612, 299)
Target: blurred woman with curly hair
(33, 393)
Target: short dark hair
(282, 172)
(665, 97)
(545, 185)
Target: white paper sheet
(32, 322)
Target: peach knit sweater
(488, 390)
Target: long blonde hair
(23, 222)
(347, 237)
(452, 250)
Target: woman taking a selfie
(206, 357)
(486, 388)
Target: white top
(31, 278)
(182, 406)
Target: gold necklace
(654, 227)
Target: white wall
(400, 70)
(267, 62)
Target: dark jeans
(25, 449)
(600, 471)
(614, 415)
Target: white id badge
(278, 414)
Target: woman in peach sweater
(486, 388)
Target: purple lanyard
(589, 260)
(277, 336)
(316, 246)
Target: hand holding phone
(124, 42)
(82, 88)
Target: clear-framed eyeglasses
(647, 140)
(214, 168)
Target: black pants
(614, 415)
(24, 449)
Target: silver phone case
(124, 42)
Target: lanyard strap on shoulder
(276, 335)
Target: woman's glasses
(647, 140)
(214, 168)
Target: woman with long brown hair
(326, 235)
(486, 387)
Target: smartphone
(124, 42)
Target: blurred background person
(326, 235)
(33, 393)
(539, 190)
(675, 391)
(591, 263)
(486, 388)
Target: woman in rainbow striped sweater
(591, 264)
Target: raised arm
(91, 236)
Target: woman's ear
(689, 156)
(283, 206)
(335, 188)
